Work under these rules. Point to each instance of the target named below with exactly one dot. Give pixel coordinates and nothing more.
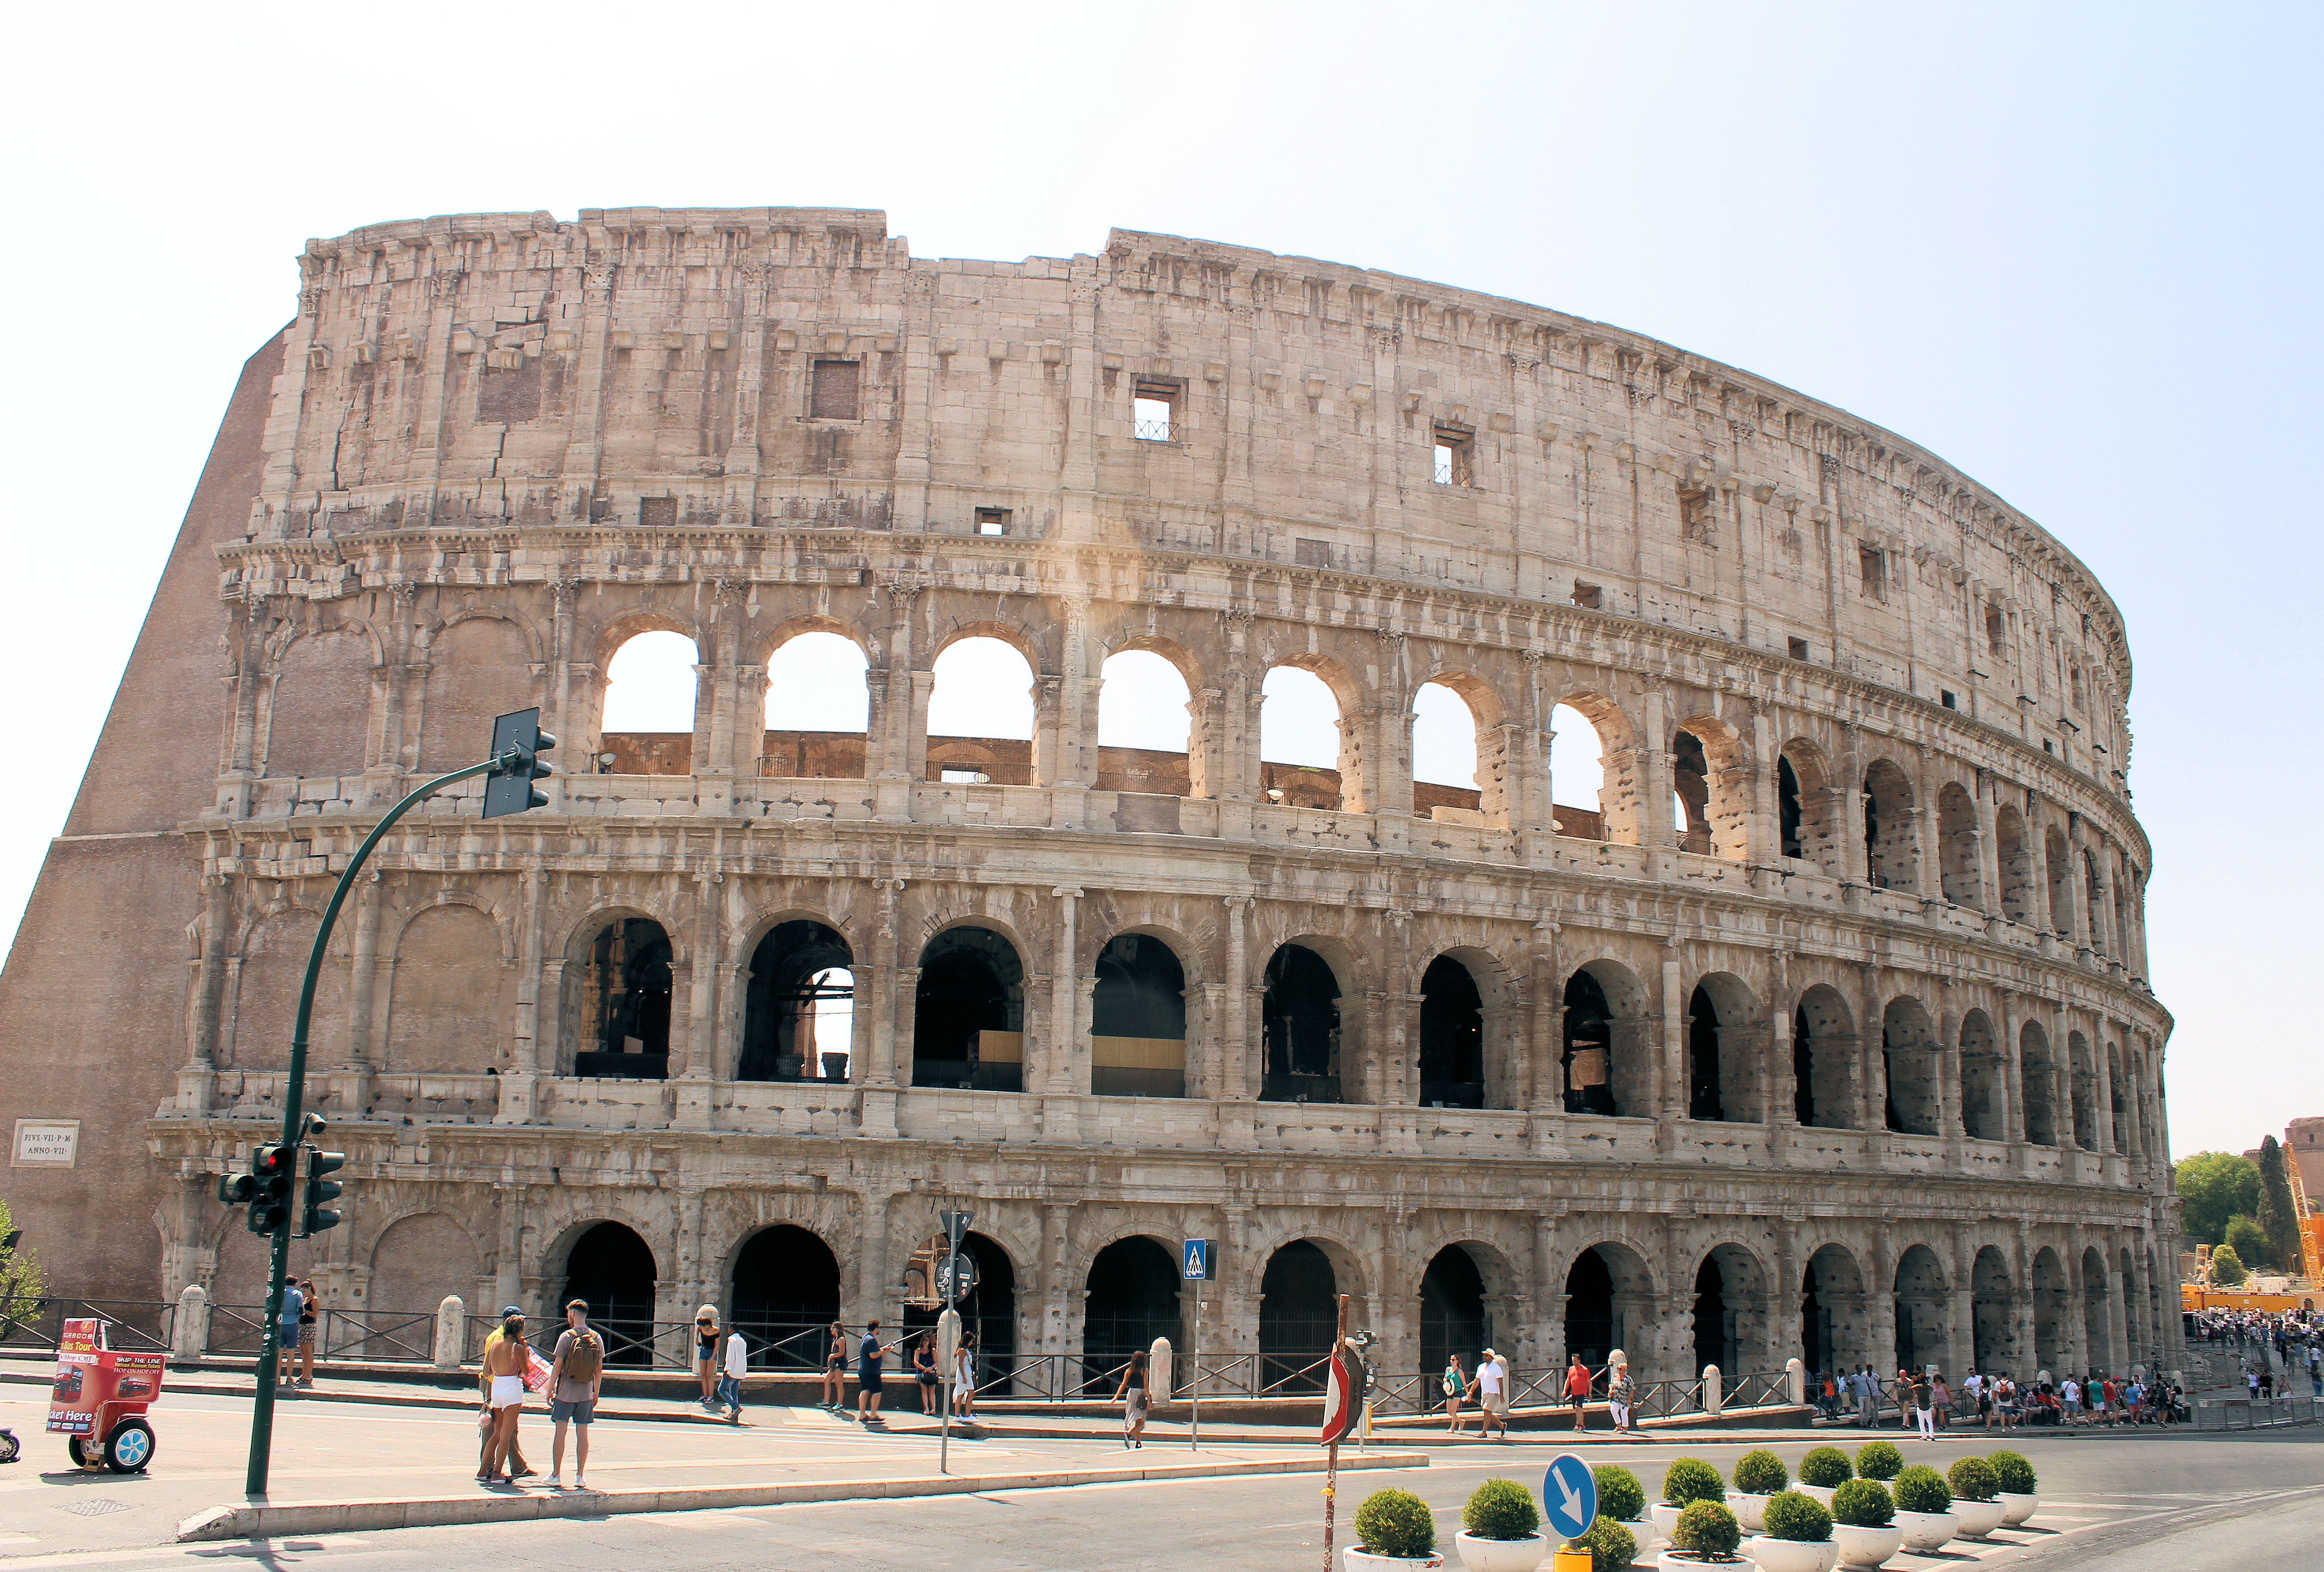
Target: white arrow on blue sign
(1569, 1496)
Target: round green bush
(1396, 1522)
(1792, 1516)
(1621, 1496)
(1759, 1472)
(1708, 1529)
(1878, 1460)
(1692, 1479)
(1921, 1488)
(1501, 1509)
(1972, 1479)
(1613, 1547)
(1863, 1503)
(2012, 1473)
(1825, 1467)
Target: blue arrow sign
(1569, 1496)
(1200, 1256)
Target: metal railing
(40, 1323)
(2237, 1413)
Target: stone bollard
(451, 1333)
(1795, 1381)
(189, 1333)
(1158, 1371)
(1713, 1396)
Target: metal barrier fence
(2237, 1413)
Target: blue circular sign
(1569, 1496)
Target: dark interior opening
(1589, 1047)
(612, 1269)
(1451, 1038)
(780, 1008)
(971, 983)
(786, 1296)
(1301, 1020)
(1298, 1317)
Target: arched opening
(968, 1013)
(1451, 1038)
(1144, 725)
(1805, 806)
(2097, 1334)
(1448, 769)
(1138, 1021)
(980, 714)
(2062, 882)
(818, 709)
(1993, 1335)
(988, 1315)
(477, 669)
(1607, 1068)
(612, 1269)
(1593, 1322)
(1691, 790)
(2084, 1086)
(1300, 1019)
(1452, 1319)
(1714, 819)
(1132, 1299)
(2038, 1072)
(2094, 902)
(2117, 1107)
(1892, 856)
(800, 968)
(1721, 1084)
(1791, 816)
(625, 1001)
(1726, 1307)
(1960, 871)
(1910, 1054)
(1823, 1055)
(452, 998)
(1983, 1115)
(2049, 1310)
(785, 1295)
(647, 725)
(319, 706)
(2013, 853)
(1920, 1299)
(414, 1263)
(1577, 776)
(1300, 748)
(1298, 1317)
(1831, 1311)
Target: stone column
(1232, 1059)
(1548, 1293)
(1988, 845)
(1960, 1345)
(2077, 887)
(1847, 808)
(1872, 1058)
(2013, 1073)
(870, 1294)
(2102, 1089)
(1672, 1104)
(1064, 1073)
(1880, 1305)
(1785, 1335)
(520, 1082)
(1057, 1333)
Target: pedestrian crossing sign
(1201, 1259)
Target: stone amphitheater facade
(1825, 1036)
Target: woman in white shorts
(504, 1380)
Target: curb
(322, 1517)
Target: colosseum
(1812, 1024)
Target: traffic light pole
(262, 1419)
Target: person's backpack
(586, 1358)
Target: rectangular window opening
(1590, 597)
(1874, 565)
(1695, 512)
(657, 512)
(1456, 451)
(1153, 412)
(1946, 696)
(832, 394)
(1997, 629)
(1799, 649)
(992, 520)
(1313, 553)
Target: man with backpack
(576, 1373)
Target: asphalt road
(2130, 1504)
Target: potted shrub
(1974, 1489)
(1611, 1545)
(1878, 1460)
(1759, 1474)
(1704, 1538)
(1501, 1529)
(1863, 1523)
(2017, 1486)
(1823, 1471)
(1798, 1536)
(1395, 1532)
(1622, 1498)
(1925, 1508)
(1684, 1482)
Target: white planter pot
(1927, 1530)
(1866, 1547)
(1501, 1555)
(1977, 1518)
(1773, 1555)
(1819, 1493)
(2016, 1509)
(1684, 1561)
(1749, 1510)
(1664, 1519)
(1356, 1560)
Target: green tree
(2248, 1240)
(20, 1273)
(2214, 1186)
(2278, 1218)
(2227, 1268)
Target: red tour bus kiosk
(98, 1402)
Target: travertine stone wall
(498, 447)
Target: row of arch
(783, 1284)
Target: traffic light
(319, 1190)
(517, 741)
(274, 1174)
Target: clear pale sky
(2071, 248)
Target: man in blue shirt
(285, 1332)
(867, 1375)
